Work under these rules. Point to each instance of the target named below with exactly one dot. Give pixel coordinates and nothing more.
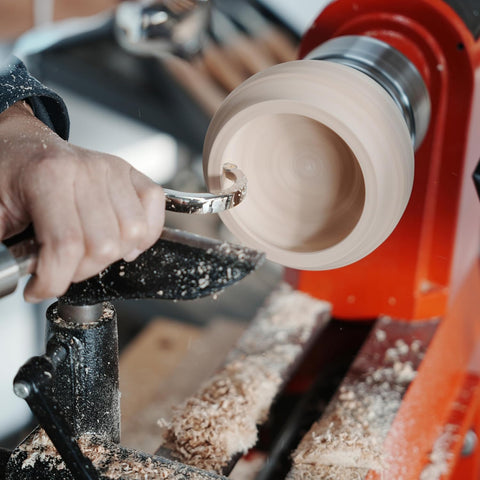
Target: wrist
(19, 108)
(22, 106)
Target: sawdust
(347, 441)
(335, 473)
(440, 458)
(39, 448)
(220, 421)
(380, 335)
(108, 313)
(111, 461)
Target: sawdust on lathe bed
(347, 442)
(220, 421)
(441, 457)
(110, 460)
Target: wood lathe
(377, 228)
(360, 157)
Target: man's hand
(88, 209)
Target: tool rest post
(85, 383)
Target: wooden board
(165, 364)
(149, 359)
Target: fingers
(101, 230)
(121, 216)
(130, 213)
(129, 221)
(152, 198)
(88, 210)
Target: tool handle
(16, 261)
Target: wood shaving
(440, 458)
(335, 473)
(347, 442)
(38, 448)
(110, 460)
(220, 421)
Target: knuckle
(101, 164)
(115, 161)
(134, 230)
(153, 195)
(106, 164)
(53, 166)
(71, 244)
(104, 251)
(50, 163)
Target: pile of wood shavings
(221, 420)
(39, 448)
(335, 473)
(347, 441)
(111, 461)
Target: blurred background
(143, 87)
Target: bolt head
(469, 443)
(22, 389)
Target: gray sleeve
(17, 84)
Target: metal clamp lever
(201, 203)
(32, 383)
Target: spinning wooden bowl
(328, 157)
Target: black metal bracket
(73, 392)
(33, 383)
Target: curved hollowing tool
(180, 266)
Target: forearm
(87, 208)
(19, 108)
